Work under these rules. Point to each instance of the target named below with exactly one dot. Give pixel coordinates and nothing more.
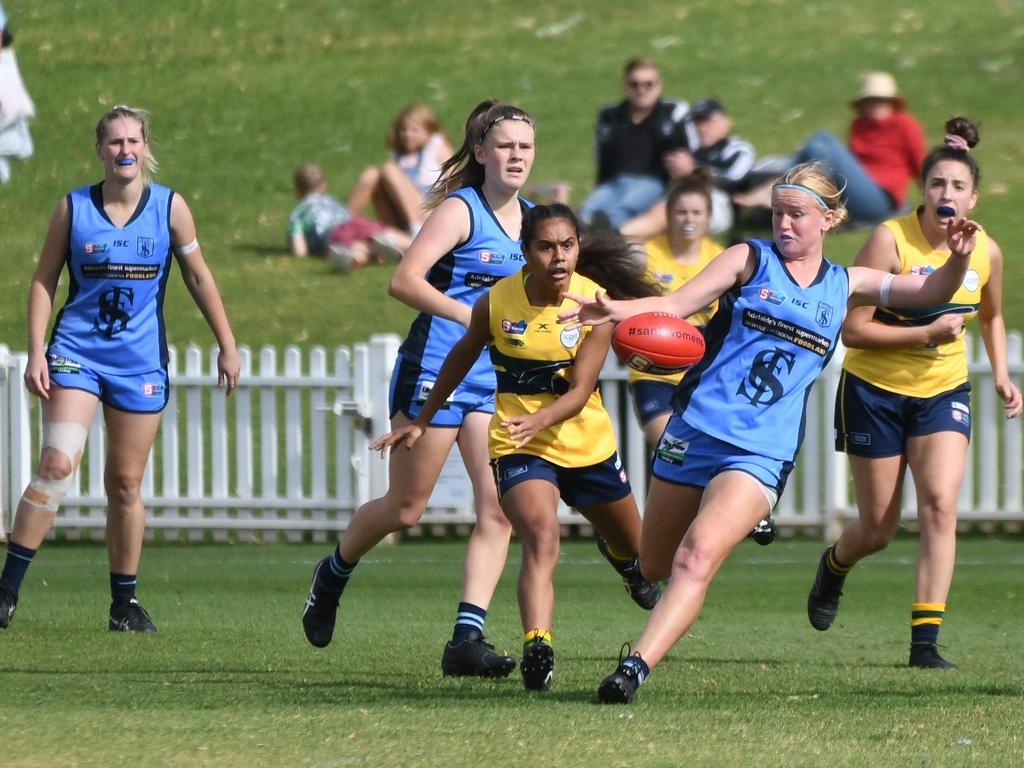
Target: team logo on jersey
(146, 246)
(824, 314)
(152, 390)
(424, 393)
(61, 364)
(114, 311)
(480, 280)
(663, 277)
(569, 337)
(511, 472)
(513, 326)
(490, 257)
(762, 386)
(93, 249)
(671, 449)
(772, 297)
(917, 269)
(961, 412)
(972, 280)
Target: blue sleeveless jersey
(465, 274)
(113, 318)
(766, 345)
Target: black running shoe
(321, 610)
(475, 657)
(538, 665)
(644, 593)
(823, 601)
(620, 686)
(129, 617)
(926, 656)
(8, 603)
(764, 531)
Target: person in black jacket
(641, 142)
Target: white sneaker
(386, 250)
(340, 256)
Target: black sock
(19, 558)
(122, 587)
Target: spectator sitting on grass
(726, 157)
(642, 142)
(322, 226)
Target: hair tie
(958, 143)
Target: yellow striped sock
(925, 622)
(834, 565)
(543, 634)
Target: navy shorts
(135, 392)
(651, 398)
(873, 422)
(410, 386)
(578, 486)
(687, 456)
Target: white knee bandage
(67, 437)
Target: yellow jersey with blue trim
(923, 371)
(665, 271)
(533, 359)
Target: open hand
(595, 311)
(408, 434)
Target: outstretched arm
(454, 369)
(878, 288)
(731, 267)
(862, 331)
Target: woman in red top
(887, 146)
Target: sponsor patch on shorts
(859, 438)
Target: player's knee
(542, 543)
(123, 488)
(62, 446)
(937, 519)
(694, 563)
(877, 539)
(407, 513)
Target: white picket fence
(287, 452)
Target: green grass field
(230, 681)
(242, 91)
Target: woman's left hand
(1011, 396)
(522, 429)
(229, 367)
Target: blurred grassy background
(242, 92)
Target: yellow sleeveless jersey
(663, 269)
(922, 371)
(533, 360)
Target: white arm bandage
(187, 248)
(884, 294)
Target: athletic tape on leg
(68, 437)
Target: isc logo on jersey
(490, 257)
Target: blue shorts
(651, 398)
(687, 456)
(874, 422)
(410, 386)
(578, 486)
(133, 393)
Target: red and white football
(658, 343)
